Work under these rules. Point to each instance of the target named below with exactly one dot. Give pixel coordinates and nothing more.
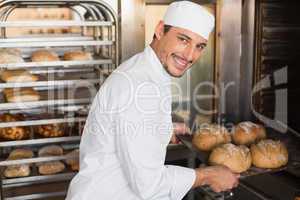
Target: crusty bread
(208, 137)
(246, 133)
(74, 161)
(13, 133)
(52, 167)
(10, 56)
(18, 170)
(50, 130)
(236, 158)
(269, 154)
(77, 55)
(44, 55)
(51, 150)
(20, 94)
(17, 76)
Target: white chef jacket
(123, 147)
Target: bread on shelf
(17, 76)
(77, 55)
(50, 130)
(13, 133)
(14, 95)
(18, 170)
(246, 133)
(10, 55)
(73, 162)
(44, 55)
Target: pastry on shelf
(18, 170)
(77, 55)
(51, 167)
(13, 133)
(14, 95)
(10, 55)
(50, 130)
(44, 55)
(17, 76)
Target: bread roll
(10, 56)
(269, 154)
(20, 95)
(50, 130)
(74, 161)
(18, 170)
(211, 136)
(51, 150)
(13, 133)
(246, 133)
(77, 55)
(17, 76)
(236, 158)
(52, 167)
(44, 55)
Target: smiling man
(123, 147)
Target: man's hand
(219, 178)
(179, 129)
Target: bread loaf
(20, 95)
(210, 136)
(50, 130)
(17, 76)
(77, 55)
(74, 161)
(269, 154)
(10, 55)
(44, 55)
(13, 133)
(236, 158)
(51, 167)
(246, 133)
(18, 170)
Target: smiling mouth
(181, 62)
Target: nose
(189, 53)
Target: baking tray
(203, 157)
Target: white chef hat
(190, 16)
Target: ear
(159, 30)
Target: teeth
(179, 61)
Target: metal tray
(203, 157)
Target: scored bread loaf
(13, 133)
(236, 158)
(20, 94)
(269, 154)
(19, 75)
(77, 55)
(10, 55)
(246, 133)
(208, 137)
(44, 55)
(18, 170)
(51, 167)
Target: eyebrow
(189, 38)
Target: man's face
(178, 49)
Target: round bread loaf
(44, 55)
(51, 150)
(269, 154)
(246, 133)
(208, 137)
(236, 158)
(8, 55)
(77, 55)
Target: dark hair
(166, 29)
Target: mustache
(188, 61)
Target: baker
(123, 147)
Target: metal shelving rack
(99, 35)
